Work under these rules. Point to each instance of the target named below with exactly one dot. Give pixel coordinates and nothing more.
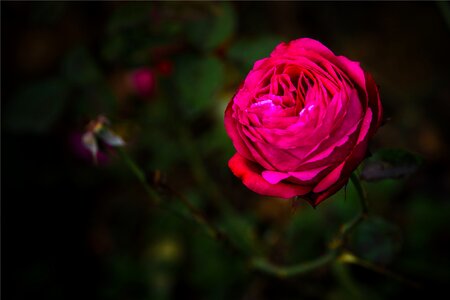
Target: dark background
(71, 229)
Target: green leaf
(197, 80)
(94, 96)
(246, 52)
(213, 269)
(36, 107)
(212, 29)
(376, 240)
(390, 163)
(129, 15)
(240, 230)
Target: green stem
(345, 278)
(265, 266)
(260, 263)
(361, 192)
(201, 174)
(200, 219)
(335, 247)
(194, 213)
(350, 226)
(351, 259)
(140, 175)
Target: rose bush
(301, 122)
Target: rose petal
(329, 180)
(374, 103)
(250, 174)
(274, 177)
(231, 129)
(307, 175)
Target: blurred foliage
(376, 240)
(196, 80)
(36, 107)
(209, 30)
(390, 163)
(74, 229)
(246, 52)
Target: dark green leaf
(114, 47)
(241, 232)
(197, 79)
(376, 240)
(129, 15)
(246, 51)
(82, 71)
(36, 107)
(390, 163)
(214, 271)
(212, 29)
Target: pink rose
(301, 122)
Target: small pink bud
(143, 81)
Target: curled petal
(250, 173)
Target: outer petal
(250, 173)
(299, 46)
(374, 103)
(230, 128)
(337, 179)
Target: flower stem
(140, 175)
(265, 266)
(345, 279)
(361, 192)
(336, 245)
(261, 263)
(348, 227)
(201, 174)
(349, 258)
(211, 229)
(194, 214)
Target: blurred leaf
(80, 68)
(209, 31)
(129, 15)
(113, 47)
(212, 269)
(241, 232)
(83, 72)
(37, 106)
(390, 163)
(215, 140)
(247, 51)
(427, 217)
(306, 225)
(376, 240)
(197, 79)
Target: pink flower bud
(143, 81)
